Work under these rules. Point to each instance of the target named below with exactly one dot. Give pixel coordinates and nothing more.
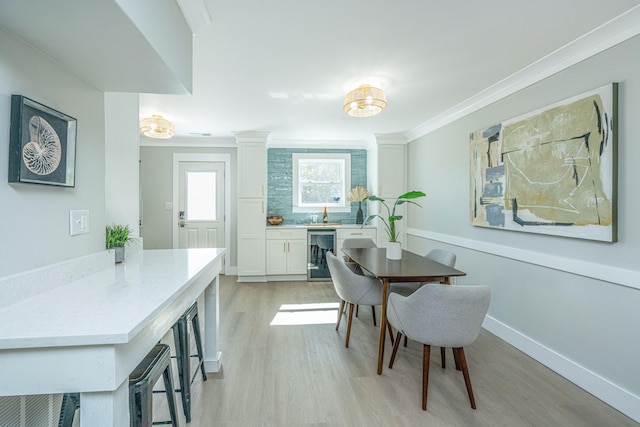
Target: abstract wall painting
(42, 144)
(551, 171)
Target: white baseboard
(613, 395)
(213, 365)
(287, 278)
(251, 279)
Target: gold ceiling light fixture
(157, 126)
(365, 101)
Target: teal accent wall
(280, 184)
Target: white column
(105, 409)
(212, 362)
(122, 166)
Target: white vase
(119, 256)
(394, 250)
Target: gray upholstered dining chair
(359, 242)
(352, 289)
(442, 256)
(444, 316)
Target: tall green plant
(390, 222)
(117, 235)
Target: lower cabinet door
(251, 252)
(276, 256)
(297, 257)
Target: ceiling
(284, 66)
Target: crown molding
(177, 141)
(609, 34)
(251, 136)
(337, 144)
(391, 139)
(196, 13)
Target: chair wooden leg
(465, 372)
(342, 307)
(350, 319)
(357, 310)
(373, 313)
(456, 359)
(442, 358)
(390, 332)
(425, 374)
(395, 349)
(405, 341)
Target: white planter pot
(119, 254)
(394, 250)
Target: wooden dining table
(410, 268)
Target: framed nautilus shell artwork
(42, 147)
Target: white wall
(34, 219)
(573, 304)
(122, 189)
(156, 183)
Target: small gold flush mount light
(365, 101)
(157, 127)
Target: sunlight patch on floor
(306, 314)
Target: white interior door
(201, 209)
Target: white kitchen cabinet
(392, 181)
(354, 233)
(251, 188)
(252, 170)
(286, 251)
(251, 226)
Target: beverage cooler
(319, 242)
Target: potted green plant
(394, 248)
(117, 236)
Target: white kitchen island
(87, 335)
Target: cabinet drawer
(363, 233)
(287, 233)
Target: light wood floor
(302, 375)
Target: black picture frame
(42, 144)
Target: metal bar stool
(141, 382)
(183, 355)
(70, 403)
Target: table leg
(383, 323)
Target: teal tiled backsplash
(280, 184)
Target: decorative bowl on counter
(275, 219)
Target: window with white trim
(319, 180)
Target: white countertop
(107, 307)
(319, 226)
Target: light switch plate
(78, 221)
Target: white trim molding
(607, 273)
(192, 142)
(391, 138)
(609, 34)
(614, 395)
